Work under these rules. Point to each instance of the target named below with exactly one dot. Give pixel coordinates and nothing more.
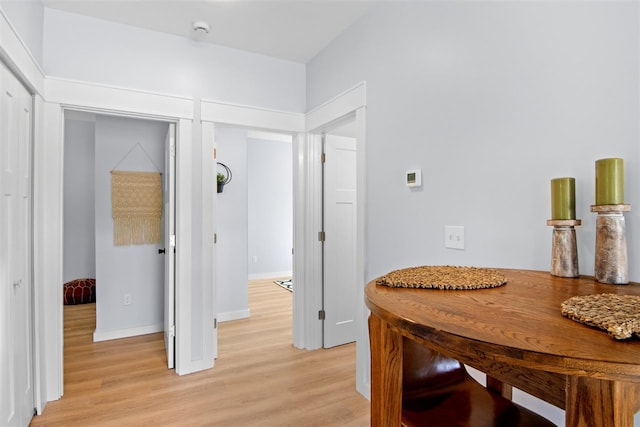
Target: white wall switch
(454, 236)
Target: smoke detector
(201, 28)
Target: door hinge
(172, 330)
(215, 238)
(172, 240)
(321, 236)
(323, 158)
(321, 315)
(215, 323)
(172, 150)
(215, 154)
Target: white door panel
(16, 380)
(339, 249)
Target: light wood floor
(260, 379)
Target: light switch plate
(454, 236)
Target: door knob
(17, 284)
(161, 251)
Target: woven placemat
(443, 277)
(619, 315)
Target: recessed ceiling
(295, 30)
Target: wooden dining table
(518, 336)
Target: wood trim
(123, 101)
(18, 58)
(48, 220)
(208, 198)
(312, 248)
(249, 116)
(99, 336)
(339, 106)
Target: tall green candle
(609, 181)
(563, 198)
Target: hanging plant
(223, 178)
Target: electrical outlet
(127, 299)
(454, 237)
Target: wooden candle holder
(611, 245)
(564, 249)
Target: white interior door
(16, 354)
(169, 245)
(339, 248)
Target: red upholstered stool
(438, 392)
(79, 291)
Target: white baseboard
(233, 315)
(126, 333)
(260, 276)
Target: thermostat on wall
(414, 178)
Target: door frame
(63, 95)
(215, 113)
(318, 121)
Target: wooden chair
(438, 391)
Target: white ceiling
(294, 30)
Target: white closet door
(339, 256)
(16, 374)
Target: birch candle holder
(564, 249)
(611, 264)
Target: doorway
(253, 215)
(129, 279)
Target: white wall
(137, 270)
(27, 18)
(79, 203)
(121, 55)
(270, 208)
(491, 100)
(232, 298)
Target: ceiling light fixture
(201, 27)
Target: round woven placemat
(443, 277)
(619, 315)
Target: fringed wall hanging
(136, 203)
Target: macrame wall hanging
(136, 204)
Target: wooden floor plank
(260, 379)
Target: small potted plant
(220, 178)
(223, 179)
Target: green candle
(609, 182)
(563, 198)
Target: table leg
(595, 402)
(386, 374)
(502, 388)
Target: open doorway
(254, 215)
(129, 279)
